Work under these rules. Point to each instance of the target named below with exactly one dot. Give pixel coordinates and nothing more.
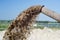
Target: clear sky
(9, 9)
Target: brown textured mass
(21, 26)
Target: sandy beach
(41, 34)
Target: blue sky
(9, 9)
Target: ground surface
(41, 34)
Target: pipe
(51, 14)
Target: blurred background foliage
(38, 24)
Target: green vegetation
(4, 24)
(40, 24)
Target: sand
(41, 34)
(1, 34)
(45, 34)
